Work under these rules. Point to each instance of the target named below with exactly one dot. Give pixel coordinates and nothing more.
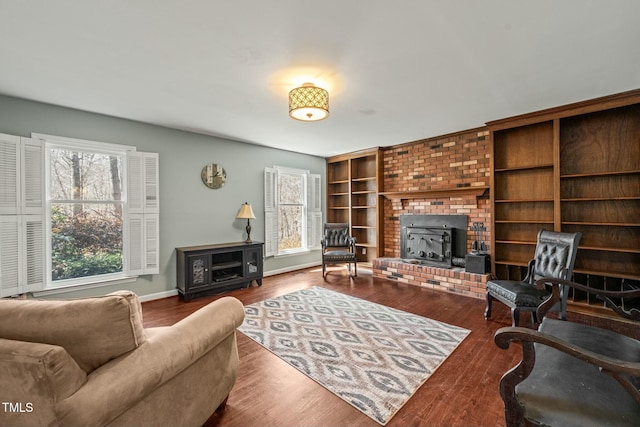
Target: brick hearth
(454, 280)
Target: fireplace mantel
(441, 192)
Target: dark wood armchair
(572, 374)
(554, 256)
(338, 247)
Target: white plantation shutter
(10, 271)
(35, 250)
(314, 211)
(9, 176)
(32, 175)
(270, 212)
(150, 163)
(151, 231)
(136, 243)
(144, 224)
(134, 183)
(22, 235)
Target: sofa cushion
(92, 330)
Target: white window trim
(93, 147)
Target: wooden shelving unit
(353, 182)
(573, 168)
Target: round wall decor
(213, 175)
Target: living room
(447, 145)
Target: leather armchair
(554, 256)
(572, 374)
(338, 247)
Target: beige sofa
(90, 362)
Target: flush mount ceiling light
(308, 103)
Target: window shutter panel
(10, 272)
(151, 202)
(32, 176)
(136, 243)
(144, 221)
(315, 230)
(134, 183)
(270, 214)
(271, 233)
(9, 176)
(151, 244)
(314, 211)
(35, 253)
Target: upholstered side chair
(338, 247)
(554, 256)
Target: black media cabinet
(212, 269)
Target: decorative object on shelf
(308, 103)
(246, 213)
(213, 176)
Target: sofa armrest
(124, 381)
(35, 376)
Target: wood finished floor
(462, 392)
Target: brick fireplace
(447, 175)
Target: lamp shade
(308, 103)
(246, 212)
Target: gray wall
(190, 213)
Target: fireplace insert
(436, 240)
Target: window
(74, 212)
(85, 212)
(293, 216)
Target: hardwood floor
(462, 392)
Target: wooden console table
(211, 269)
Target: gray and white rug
(372, 356)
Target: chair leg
(355, 269)
(324, 270)
(534, 319)
(487, 310)
(515, 316)
(563, 303)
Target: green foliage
(85, 244)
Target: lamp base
(248, 228)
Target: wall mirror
(213, 175)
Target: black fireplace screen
(438, 240)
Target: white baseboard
(158, 295)
(173, 292)
(290, 269)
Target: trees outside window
(86, 213)
(293, 216)
(291, 211)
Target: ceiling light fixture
(308, 103)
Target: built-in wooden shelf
(352, 197)
(441, 192)
(571, 169)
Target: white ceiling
(397, 71)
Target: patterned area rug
(372, 356)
